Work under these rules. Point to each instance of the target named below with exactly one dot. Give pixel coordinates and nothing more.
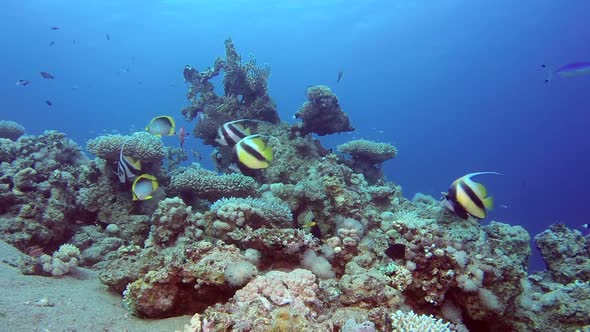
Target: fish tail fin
(488, 202)
(267, 153)
(548, 73)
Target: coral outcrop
(565, 252)
(11, 130)
(322, 113)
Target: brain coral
(375, 152)
(140, 145)
(11, 130)
(209, 185)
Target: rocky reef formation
(322, 114)
(314, 242)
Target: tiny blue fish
(568, 70)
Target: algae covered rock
(565, 252)
(322, 114)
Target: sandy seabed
(78, 302)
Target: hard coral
(369, 151)
(411, 322)
(209, 185)
(11, 130)
(140, 145)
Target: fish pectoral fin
(488, 202)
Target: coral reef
(314, 242)
(11, 130)
(322, 114)
(245, 94)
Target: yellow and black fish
(254, 152)
(143, 187)
(467, 197)
(162, 126)
(232, 132)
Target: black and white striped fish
(467, 197)
(232, 132)
(254, 152)
(127, 167)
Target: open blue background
(455, 84)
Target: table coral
(140, 145)
(209, 185)
(371, 151)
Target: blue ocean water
(455, 84)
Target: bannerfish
(162, 126)
(47, 75)
(22, 82)
(340, 72)
(232, 132)
(254, 152)
(586, 226)
(49, 103)
(569, 70)
(467, 197)
(127, 167)
(143, 187)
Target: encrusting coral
(314, 242)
